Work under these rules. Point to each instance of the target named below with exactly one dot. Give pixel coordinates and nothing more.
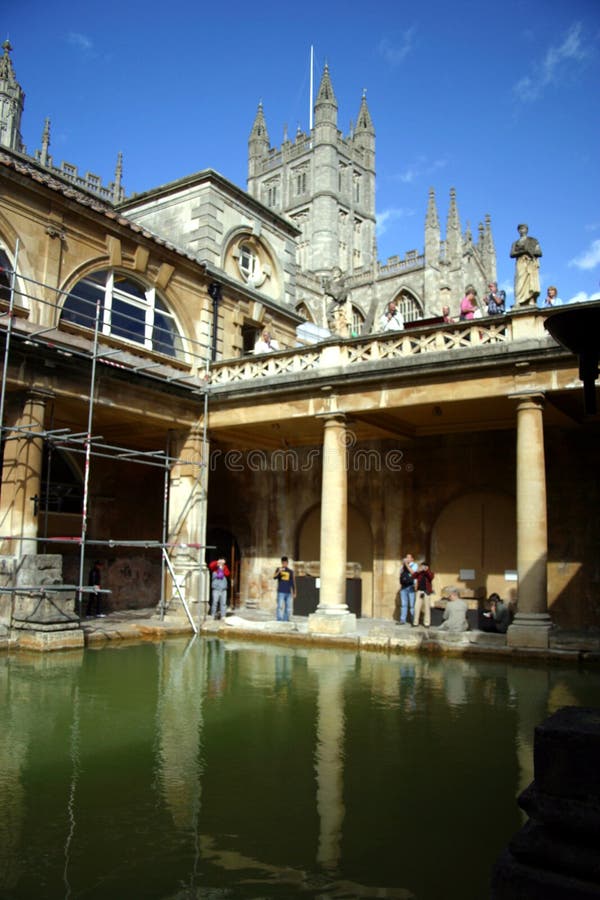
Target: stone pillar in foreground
(187, 521)
(332, 616)
(555, 855)
(21, 478)
(532, 624)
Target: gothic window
(272, 194)
(125, 309)
(409, 307)
(302, 310)
(356, 187)
(299, 183)
(358, 321)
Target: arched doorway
(475, 535)
(360, 547)
(222, 543)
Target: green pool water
(210, 769)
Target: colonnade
(532, 622)
(21, 477)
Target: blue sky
(500, 103)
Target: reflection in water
(209, 769)
(330, 668)
(75, 766)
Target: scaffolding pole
(86, 443)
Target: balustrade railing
(337, 353)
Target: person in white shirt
(392, 319)
(264, 344)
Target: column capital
(529, 399)
(332, 416)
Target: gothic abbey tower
(325, 183)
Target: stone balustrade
(336, 353)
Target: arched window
(358, 321)
(126, 309)
(408, 306)
(5, 276)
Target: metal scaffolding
(83, 341)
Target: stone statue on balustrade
(339, 313)
(526, 251)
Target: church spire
(432, 231)
(363, 134)
(326, 107)
(258, 148)
(117, 186)
(12, 101)
(364, 122)
(453, 233)
(45, 159)
(259, 132)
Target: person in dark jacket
(496, 618)
(424, 589)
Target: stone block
(328, 623)
(44, 608)
(50, 640)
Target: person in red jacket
(218, 583)
(423, 586)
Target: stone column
(532, 623)
(186, 520)
(332, 616)
(21, 478)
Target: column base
(530, 630)
(332, 620)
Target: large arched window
(126, 309)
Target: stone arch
(409, 305)
(7, 264)
(360, 546)
(132, 310)
(476, 533)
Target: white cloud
(81, 41)
(589, 259)
(395, 53)
(582, 296)
(420, 167)
(387, 216)
(553, 66)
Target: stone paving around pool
(371, 634)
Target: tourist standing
(552, 298)
(265, 343)
(408, 573)
(495, 300)
(468, 305)
(424, 589)
(95, 583)
(286, 590)
(218, 583)
(392, 319)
